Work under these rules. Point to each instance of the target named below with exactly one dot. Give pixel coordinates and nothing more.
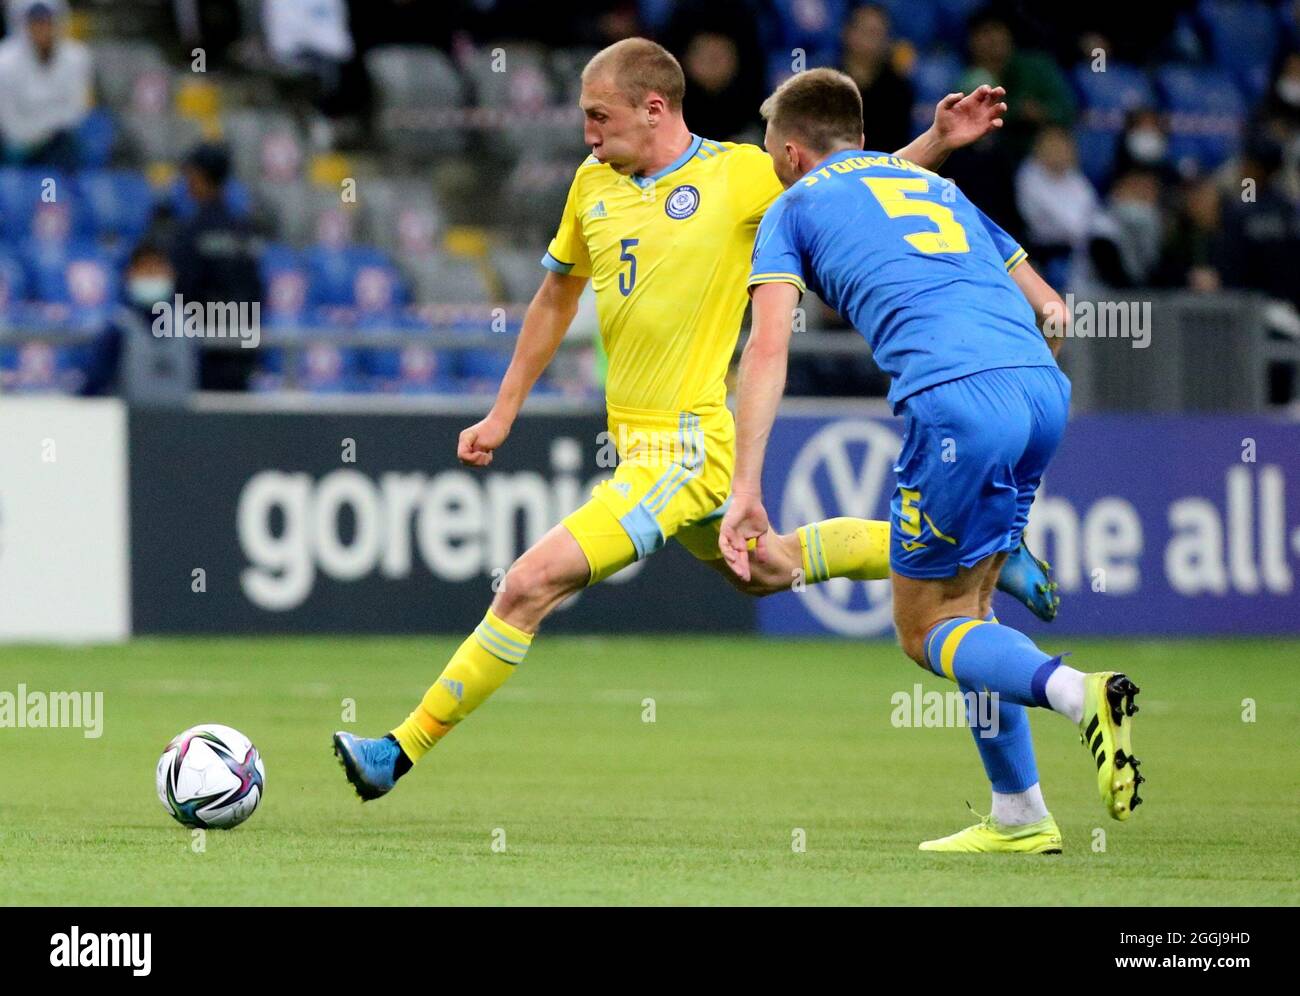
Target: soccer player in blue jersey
(953, 314)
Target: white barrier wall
(63, 520)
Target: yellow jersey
(668, 256)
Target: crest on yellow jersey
(682, 202)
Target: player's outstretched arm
(1049, 306)
(959, 120)
(545, 324)
(762, 382)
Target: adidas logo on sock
(456, 688)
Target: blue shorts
(974, 452)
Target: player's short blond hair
(639, 67)
(823, 107)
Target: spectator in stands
(716, 99)
(138, 355)
(1263, 225)
(311, 38)
(1284, 93)
(45, 86)
(1039, 93)
(886, 97)
(1056, 201)
(215, 256)
(728, 100)
(1128, 236)
(1196, 250)
(1144, 145)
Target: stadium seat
(933, 77)
(411, 81)
(317, 366)
(915, 20)
(1243, 39)
(13, 283)
(1097, 147)
(416, 368)
(1206, 110)
(654, 15)
(520, 272)
(118, 203)
(1119, 88)
(76, 273)
(118, 64)
(96, 136)
(354, 285)
(399, 215)
(951, 19)
(811, 25)
(32, 198)
(41, 368)
(287, 288)
(438, 278)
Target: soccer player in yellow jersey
(662, 222)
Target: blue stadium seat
(13, 284)
(653, 15)
(95, 137)
(287, 287)
(77, 273)
(811, 25)
(1206, 112)
(413, 369)
(951, 20)
(40, 367)
(1243, 39)
(915, 20)
(933, 77)
(1119, 88)
(118, 203)
(1097, 148)
(320, 366)
(358, 279)
(29, 195)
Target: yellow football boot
(990, 837)
(1106, 729)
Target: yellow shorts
(672, 482)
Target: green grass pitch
(752, 741)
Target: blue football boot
(1029, 580)
(372, 766)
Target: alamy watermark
(181, 319)
(1100, 320)
(26, 709)
(921, 708)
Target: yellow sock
(477, 669)
(845, 548)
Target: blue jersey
(902, 254)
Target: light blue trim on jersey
(676, 164)
(555, 265)
(643, 531)
(716, 514)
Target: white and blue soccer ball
(211, 776)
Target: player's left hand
(960, 119)
(746, 520)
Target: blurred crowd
(1146, 145)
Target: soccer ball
(211, 776)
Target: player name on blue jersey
(903, 255)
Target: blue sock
(988, 656)
(1009, 756)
